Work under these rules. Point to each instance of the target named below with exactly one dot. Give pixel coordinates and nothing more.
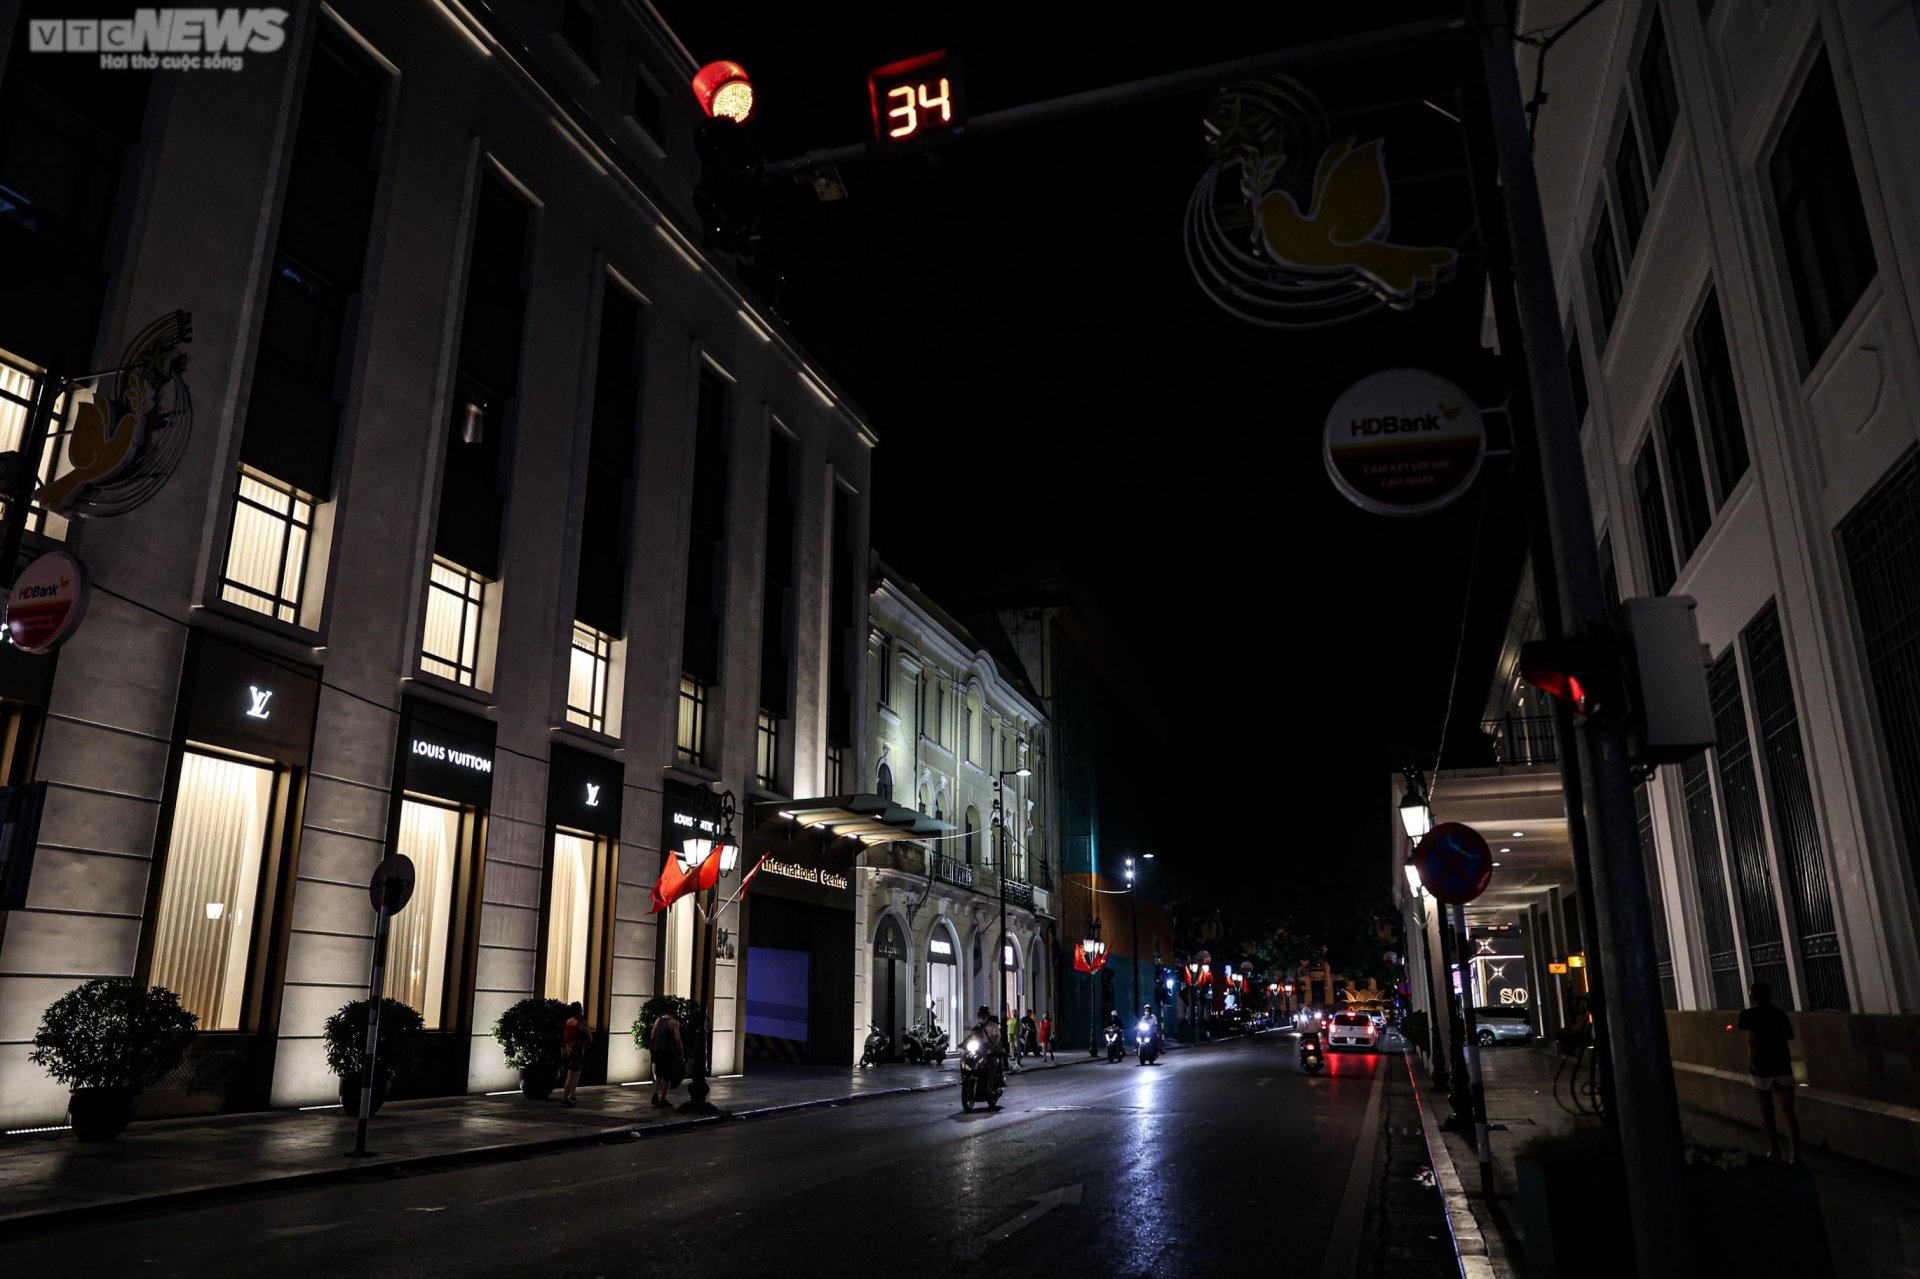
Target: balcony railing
(1018, 893)
(952, 871)
(1522, 739)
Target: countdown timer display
(915, 100)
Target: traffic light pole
(1649, 1114)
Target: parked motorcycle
(876, 1047)
(982, 1075)
(1116, 1043)
(1147, 1041)
(926, 1043)
(1312, 1056)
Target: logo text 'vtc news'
(164, 39)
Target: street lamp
(1416, 815)
(1133, 937)
(1092, 949)
(694, 851)
(1000, 821)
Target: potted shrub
(403, 1039)
(529, 1033)
(107, 1040)
(650, 1013)
(1573, 1192)
(1727, 1190)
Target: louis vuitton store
(575, 958)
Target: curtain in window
(203, 930)
(569, 908)
(418, 936)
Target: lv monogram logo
(593, 795)
(261, 696)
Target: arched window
(884, 785)
(973, 836)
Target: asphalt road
(1222, 1160)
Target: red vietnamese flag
(676, 882)
(1080, 964)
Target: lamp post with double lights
(1133, 936)
(694, 851)
(1092, 948)
(1416, 818)
(1000, 866)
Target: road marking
(1263, 1081)
(1343, 1246)
(1041, 1207)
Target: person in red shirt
(1046, 1035)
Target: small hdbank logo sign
(46, 603)
(164, 39)
(1403, 442)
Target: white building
(1732, 192)
(508, 527)
(949, 729)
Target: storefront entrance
(888, 1006)
(799, 982)
(943, 980)
(576, 950)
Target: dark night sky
(1016, 316)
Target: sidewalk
(1872, 1216)
(50, 1176)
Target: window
(579, 25)
(569, 916)
(267, 549)
(1577, 374)
(836, 762)
(1609, 575)
(1606, 273)
(1659, 102)
(418, 938)
(966, 729)
(1691, 514)
(972, 829)
(1719, 402)
(204, 928)
(767, 755)
(589, 664)
(1630, 190)
(450, 647)
(690, 739)
(643, 105)
(886, 671)
(883, 784)
(1653, 520)
(19, 381)
(940, 710)
(1823, 226)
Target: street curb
(1480, 1255)
(53, 1218)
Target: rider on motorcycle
(993, 1034)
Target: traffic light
(1651, 681)
(731, 191)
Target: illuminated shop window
(18, 382)
(450, 647)
(569, 914)
(589, 665)
(204, 927)
(266, 567)
(419, 936)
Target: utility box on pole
(1667, 675)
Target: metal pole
(1438, 1060)
(1482, 1139)
(376, 987)
(1133, 938)
(1000, 874)
(1649, 1123)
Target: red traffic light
(1579, 672)
(724, 90)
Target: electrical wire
(1459, 646)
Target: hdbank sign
(1403, 442)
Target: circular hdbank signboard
(1403, 442)
(46, 603)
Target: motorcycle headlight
(973, 1045)
(1143, 1027)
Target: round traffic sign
(392, 881)
(1454, 863)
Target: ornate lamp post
(694, 851)
(1093, 949)
(1000, 869)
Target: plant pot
(350, 1094)
(1726, 1204)
(101, 1114)
(1569, 1211)
(537, 1082)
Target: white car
(1352, 1030)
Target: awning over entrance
(868, 818)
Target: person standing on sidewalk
(576, 1037)
(1046, 1035)
(669, 1057)
(1770, 1065)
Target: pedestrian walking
(1046, 1034)
(669, 1057)
(576, 1037)
(1770, 1066)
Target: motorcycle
(1116, 1047)
(982, 1074)
(1147, 1040)
(1028, 1045)
(1312, 1056)
(925, 1044)
(876, 1047)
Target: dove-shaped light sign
(1403, 442)
(46, 603)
